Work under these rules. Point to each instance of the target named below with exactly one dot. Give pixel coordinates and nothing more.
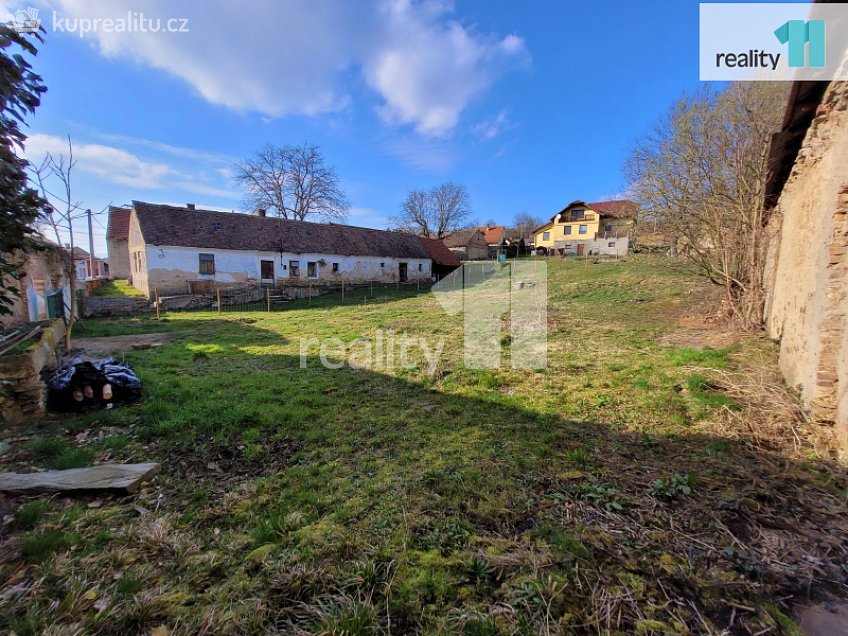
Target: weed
(30, 514)
(39, 546)
(676, 486)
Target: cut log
(122, 477)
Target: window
(266, 270)
(382, 265)
(568, 229)
(294, 269)
(335, 268)
(611, 244)
(583, 229)
(578, 214)
(420, 267)
(546, 236)
(207, 263)
(608, 227)
(312, 269)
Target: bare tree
(702, 172)
(524, 224)
(293, 181)
(434, 213)
(416, 214)
(451, 207)
(59, 214)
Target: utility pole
(90, 245)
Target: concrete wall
(806, 277)
(609, 246)
(168, 267)
(119, 258)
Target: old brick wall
(807, 266)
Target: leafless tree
(293, 181)
(702, 173)
(416, 214)
(59, 215)
(434, 213)
(524, 225)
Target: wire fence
(231, 299)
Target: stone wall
(22, 390)
(115, 306)
(807, 266)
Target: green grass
(57, 453)
(118, 287)
(572, 499)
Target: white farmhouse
(170, 248)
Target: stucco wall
(608, 246)
(119, 258)
(170, 266)
(807, 265)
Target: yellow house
(605, 227)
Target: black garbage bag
(84, 385)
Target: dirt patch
(699, 332)
(112, 344)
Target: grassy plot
(618, 490)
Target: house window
(578, 214)
(312, 269)
(420, 267)
(335, 268)
(546, 236)
(382, 265)
(583, 229)
(266, 270)
(608, 227)
(568, 229)
(611, 244)
(294, 269)
(206, 263)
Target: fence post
(218, 293)
(372, 287)
(268, 296)
(158, 303)
(309, 296)
(343, 290)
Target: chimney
(260, 212)
(190, 206)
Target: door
(402, 272)
(266, 271)
(580, 248)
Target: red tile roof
(185, 227)
(118, 228)
(440, 253)
(80, 254)
(494, 234)
(621, 209)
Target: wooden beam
(122, 477)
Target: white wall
(171, 266)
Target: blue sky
(531, 104)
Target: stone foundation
(23, 393)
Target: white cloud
(429, 70)
(113, 164)
(119, 166)
(422, 153)
(491, 128)
(281, 57)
